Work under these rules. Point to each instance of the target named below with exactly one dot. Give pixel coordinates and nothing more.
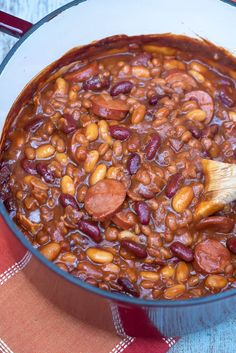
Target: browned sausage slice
(104, 198)
(108, 108)
(205, 102)
(211, 256)
(83, 74)
(216, 223)
(179, 76)
(124, 219)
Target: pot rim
(122, 298)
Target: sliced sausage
(108, 108)
(211, 256)
(104, 198)
(216, 223)
(83, 74)
(178, 76)
(205, 102)
(125, 219)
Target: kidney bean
(143, 211)
(216, 223)
(182, 251)
(69, 124)
(4, 174)
(173, 185)
(28, 166)
(195, 131)
(127, 286)
(68, 200)
(10, 205)
(121, 87)
(152, 146)
(91, 229)
(136, 249)
(153, 100)
(133, 163)
(45, 172)
(119, 132)
(96, 83)
(224, 97)
(34, 124)
(231, 244)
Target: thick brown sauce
(177, 107)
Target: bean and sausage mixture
(101, 171)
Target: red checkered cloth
(30, 323)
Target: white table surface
(220, 339)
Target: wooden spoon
(220, 187)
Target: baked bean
(138, 114)
(98, 174)
(30, 153)
(82, 193)
(182, 199)
(67, 185)
(215, 282)
(104, 132)
(196, 114)
(44, 151)
(182, 272)
(91, 132)
(197, 76)
(140, 71)
(91, 160)
(99, 256)
(50, 250)
(167, 272)
(174, 291)
(126, 235)
(111, 234)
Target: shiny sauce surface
(100, 169)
